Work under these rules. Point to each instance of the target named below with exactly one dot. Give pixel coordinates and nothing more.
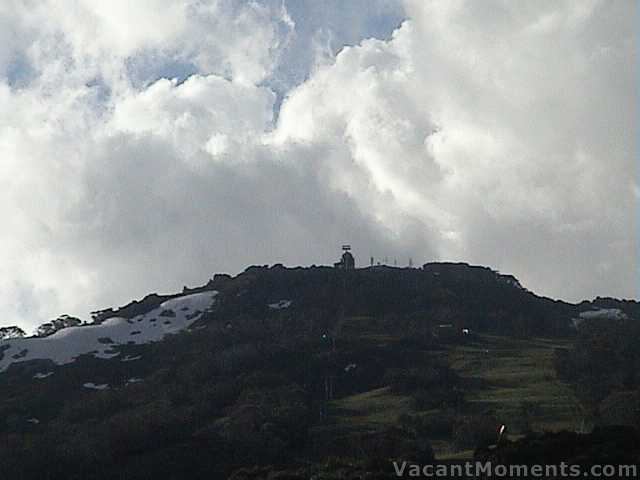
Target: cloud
(148, 147)
(204, 112)
(116, 183)
(510, 133)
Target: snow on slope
(93, 386)
(66, 345)
(604, 314)
(599, 314)
(282, 304)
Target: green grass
(512, 377)
(518, 376)
(376, 408)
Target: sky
(148, 145)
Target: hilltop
(292, 366)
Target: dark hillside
(293, 367)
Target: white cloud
(197, 113)
(503, 135)
(526, 113)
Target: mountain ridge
(293, 366)
(454, 293)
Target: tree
(621, 408)
(63, 321)
(11, 332)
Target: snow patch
(106, 354)
(66, 345)
(93, 386)
(40, 375)
(129, 358)
(604, 314)
(598, 314)
(280, 305)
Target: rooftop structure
(347, 262)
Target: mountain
(103, 339)
(466, 296)
(290, 367)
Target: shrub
(441, 397)
(94, 405)
(410, 380)
(621, 408)
(473, 431)
(437, 425)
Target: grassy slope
(511, 377)
(517, 372)
(371, 409)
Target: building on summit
(347, 262)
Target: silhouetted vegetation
(353, 373)
(603, 368)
